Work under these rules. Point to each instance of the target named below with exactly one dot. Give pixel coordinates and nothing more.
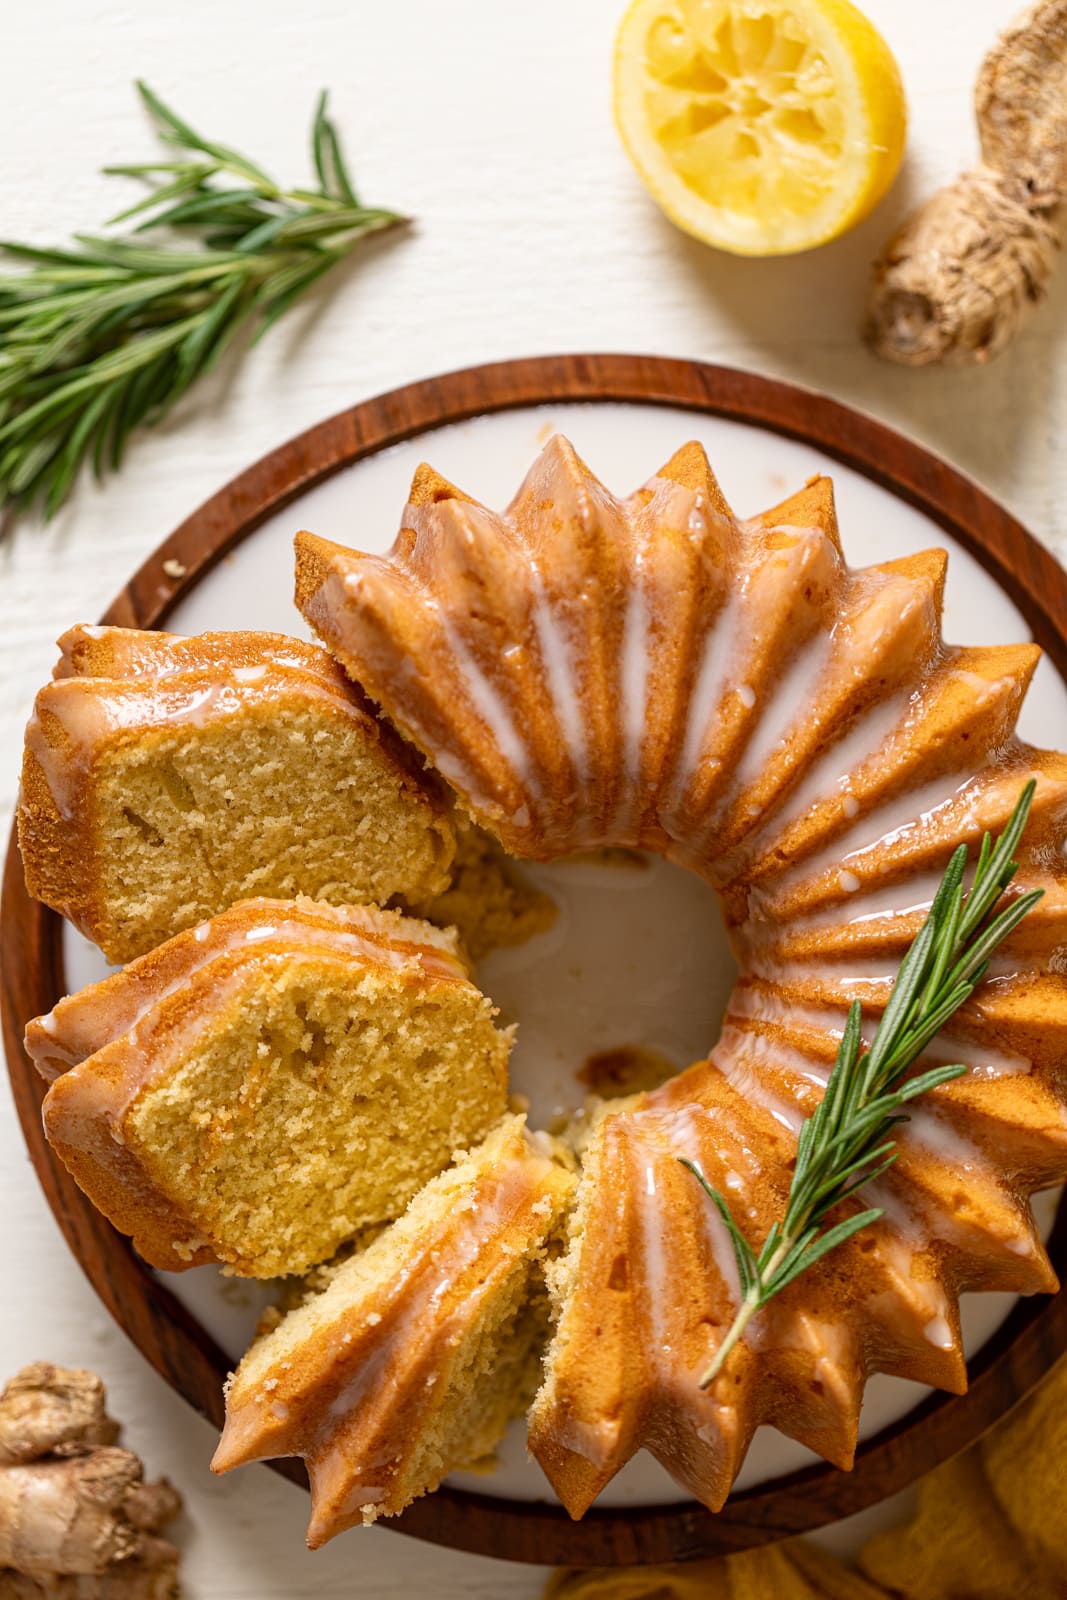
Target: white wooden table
(490, 122)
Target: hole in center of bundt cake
(627, 986)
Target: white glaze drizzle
(863, 904)
(939, 1333)
(749, 1060)
(766, 1003)
(726, 650)
(934, 1135)
(710, 686)
(834, 771)
(894, 821)
(154, 657)
(563, 679)
(983, 1060)
(790, 702)
(696, 1131)
(655, 1305)
(655, 1137)
(484, 698)
(635, 669)
(844, 650)
(917, 811)
(986, 690)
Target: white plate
(635, 958)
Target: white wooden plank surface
(490, 122)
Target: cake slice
(409, 1365)
(265, 1085)
(166, 778)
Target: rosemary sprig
(106, 335)
(848, 1140)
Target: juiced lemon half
(760, 126)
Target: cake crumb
(489, 900)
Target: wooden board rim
(167, 1334)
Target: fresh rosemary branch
(848, 1140)
(106, 335)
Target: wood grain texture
(169, 1336)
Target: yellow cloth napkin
(795, 1571)
(990, 1525)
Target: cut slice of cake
(265, 1085)
(409, 1365)
(166, 778)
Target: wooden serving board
(169, 1335)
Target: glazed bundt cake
(407, 1365)
(167, 778)
(656, 673)
(582, 673)
(264, 1086)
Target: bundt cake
(167, 778)
(582, 673)
(655, 673)
(408, 1364)
(265, 1085)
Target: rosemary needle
(105, 335)
(848, 1140)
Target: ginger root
(956, 280)
(77, 1519)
